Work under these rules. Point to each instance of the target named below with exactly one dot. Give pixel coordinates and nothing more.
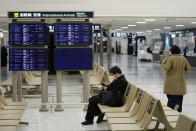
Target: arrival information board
(82, 14)
(27, 34)
(28, 59)
(73, 34)
(73, 58)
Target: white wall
(159, 8)
(149, 38)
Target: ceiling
(159, 23)
(118, 22)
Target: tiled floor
(146, 75)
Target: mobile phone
(103, 84)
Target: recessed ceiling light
(149, 31)
(124, 27)
(150, 19)
(118, 29)
(140, 32)
(179, 25)
(157, 29)
(131, 25)
(167, 27)
(193, 22)
(141, 22)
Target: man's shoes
(87, 122)
(100, 118)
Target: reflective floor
(146, 75)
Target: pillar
(59, 77)
(101, 47)
(86, 88)
(109, 44)
(14, 85)
(44, 99)
(19, 85)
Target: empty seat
(143, 124)
(139, 114)
(184, 124)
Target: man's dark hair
(115, 70)
(175, 49)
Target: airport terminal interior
(54, 59)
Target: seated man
(111, 95)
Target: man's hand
(104, 88)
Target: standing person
(185, 51)
(175, 84)
(111, 95)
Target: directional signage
(82, 14)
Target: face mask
(114, 77)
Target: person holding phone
(111, 95)
(175, 84)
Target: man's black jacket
(117, 89)
(118, 85)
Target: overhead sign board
(50, 14)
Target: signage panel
(73, 34)
(82, 14)
(27, 34)
(73, 58)
(28, 59)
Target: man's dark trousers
(93, 109)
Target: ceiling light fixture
(157, 29)
(131, 25)
(141, 22)
(149, 31)
(139, 32)
(178, 32)
(150, 19)
(118, 29)
(193, 22)
(179, 25)
(124, 27)
(167, 27)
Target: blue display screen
(73, 59)
(28, 59)
(27, 34)
(73, 34)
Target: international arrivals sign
(50, 14)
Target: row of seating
(10, 114)
(28, 80)
(140, 108)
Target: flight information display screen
(73, 59)
(27, 34)
(73, 34)
(28, 59)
